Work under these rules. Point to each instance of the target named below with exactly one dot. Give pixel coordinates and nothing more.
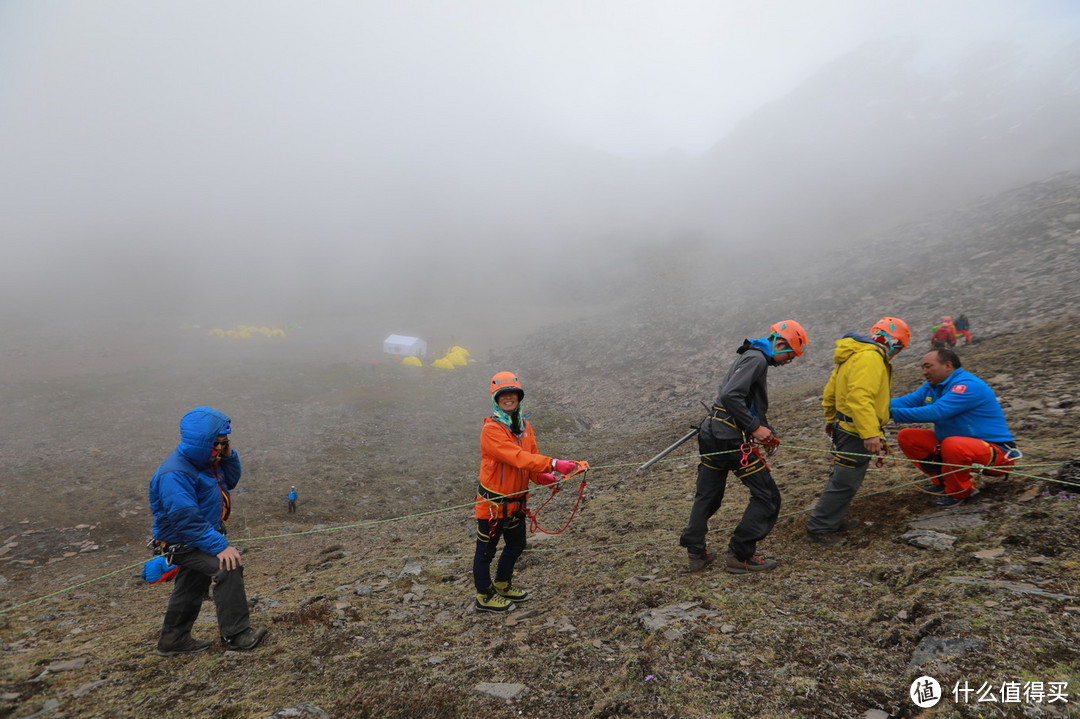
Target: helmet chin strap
(773, 338)
(891, 345)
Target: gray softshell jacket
(743, 400)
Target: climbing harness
(750, 452)
(534, 522)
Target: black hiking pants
(197, 571)
(761, 511)
(488, 531)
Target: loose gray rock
(500, 690)
(875, 714)
(67, 665)
(85, 689)
(258, 604)
(410, 569)
(1018, 587)
(989, 553)
(655, 620)
(46, 708)
(303, 710)
(962, 517)
(928, 539)
(934, 648)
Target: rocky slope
(373, 618)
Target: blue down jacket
(961, 406)
(184, 493)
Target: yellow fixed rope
(376, 522)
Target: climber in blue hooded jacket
(190, 488)
(189, 498)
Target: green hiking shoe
(505, 589)
(492, 602)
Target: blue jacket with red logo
(961, 406)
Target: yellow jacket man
(856, 406)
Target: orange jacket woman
(509, 460)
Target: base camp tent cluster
(247, 332)
(454, 357)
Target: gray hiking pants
(197, 570)
(848, 472)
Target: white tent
(404, 346)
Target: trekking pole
(669, 450)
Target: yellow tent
(442, 363)
(412, 362)
(459, 350)
(456, 359)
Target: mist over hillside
(877, 137)
(1008, 260)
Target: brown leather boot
(246, 640)
(745, 566)
(829, 539)
(698, 562)
(168, 646)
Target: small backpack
(157, 569)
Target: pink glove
(565, 466)
(546, 479)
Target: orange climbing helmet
(504, 382)
(894, 331)
(794, 334)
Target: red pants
(966, 334)
(922, 447)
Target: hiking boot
(829, 539)
(508, 591)
(698, 562)
(246, 640)
(934, 488)
(948, 501)
(745, 566)
(849, 524)
(187, 645)
(492, 602)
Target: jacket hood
(198, 428)
(852, 343)
(761, 344)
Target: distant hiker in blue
(292, 500)
(189, 497)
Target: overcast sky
(136, 134)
